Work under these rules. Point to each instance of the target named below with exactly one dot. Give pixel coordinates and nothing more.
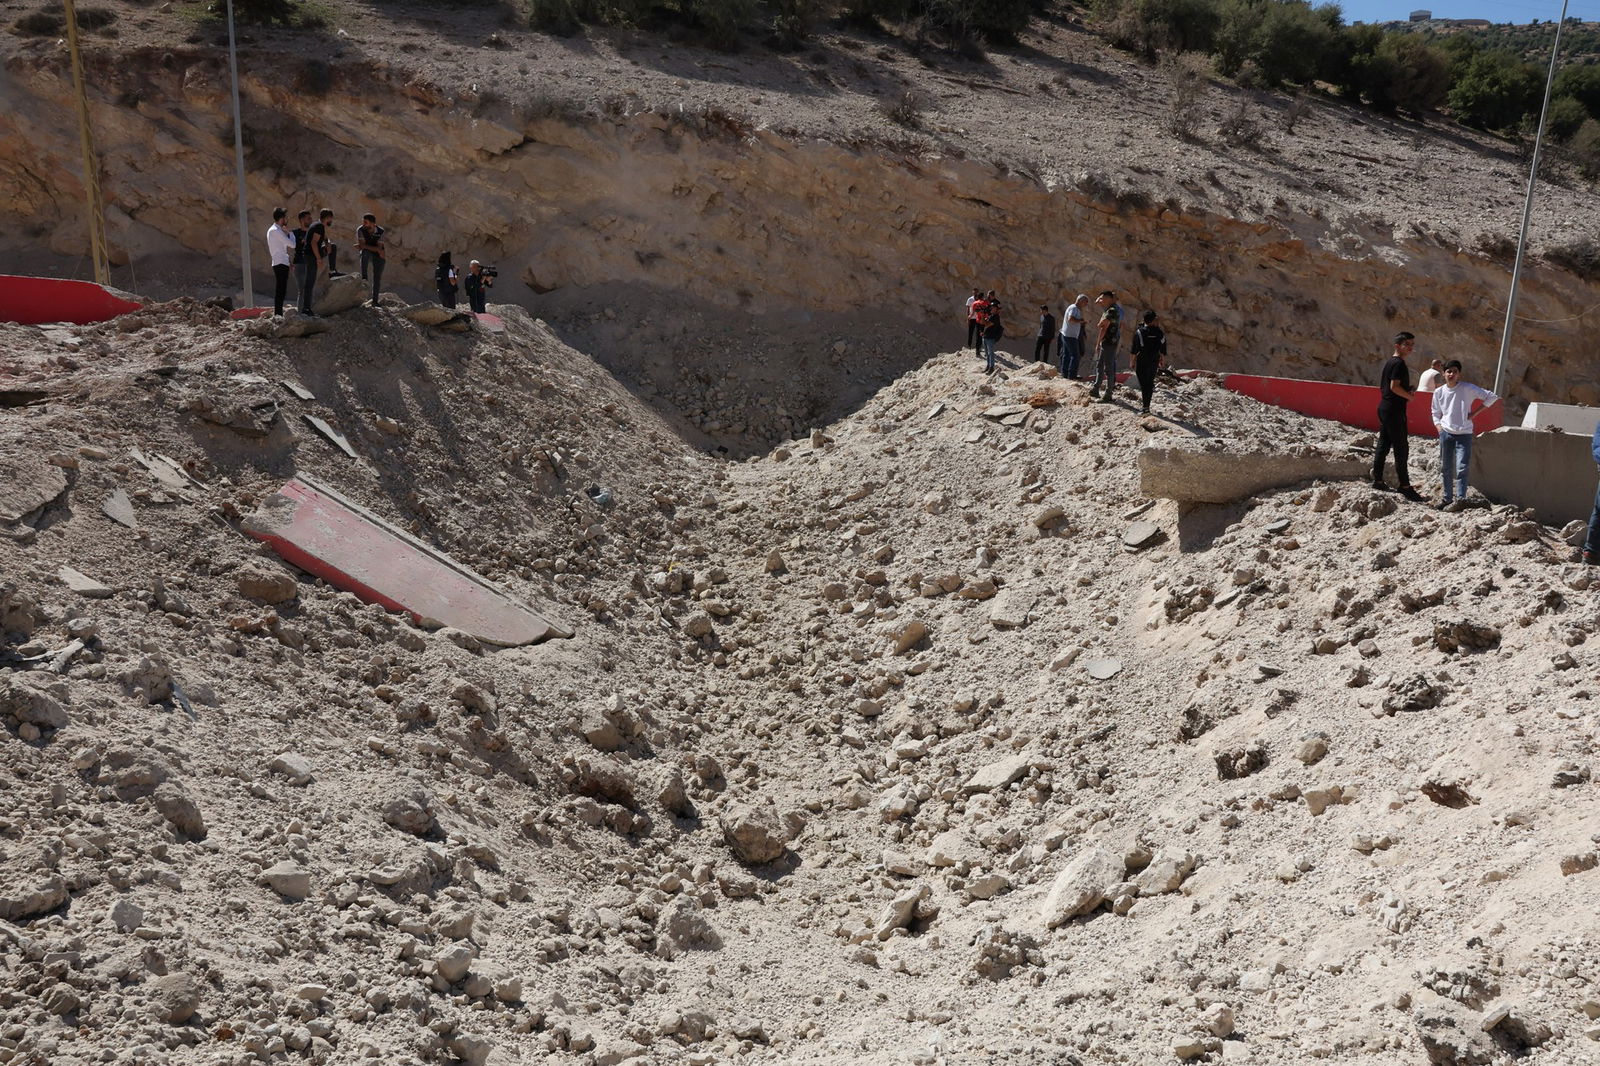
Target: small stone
(997, 775)
(1312, 749)
(1142, 535)
(755, 834)
(411, 811)
(297, 768)
(126, 915)
(909, 635)
(288, 879)
(83, 585)
(1081, 886)
(454, 962)
(1103, 669)
(269, 586)
(180, 810)
(1581, 862)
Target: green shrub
(1416, 75)
(256, 11)
(1581, 256)
(40, 24)
(1566, 117)
(1494, 90)
(1583, 85)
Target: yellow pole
(91, 170)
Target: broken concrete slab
(1142, 535)
(313, 526)
(83, 584)
(1011, 608)
(1103, 669)
(119, 509)
(1212, 471)
(998, 775)
(297, 390)
(1549, 471)
(35, 484)
(332, 435)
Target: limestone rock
(998, 775)
(126, 915)
(454, 962)
(288, 879)
(336, 295)
(756, 834)
(258, 582)
(83, 585)
(907, 636)
(297, 768)
(33, 700)
(177, 997)
(682, 926)
(410, 811)
(180, 810)
(1081, 886)
(29, 899)
(1010, 609)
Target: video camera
(491, 272)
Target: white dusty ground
(824, 776)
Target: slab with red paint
(249, 312)
(1354, 405)
(322, 532)
(492, 323)
(36, 301)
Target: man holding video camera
(480, 279)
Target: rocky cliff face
(707, 206)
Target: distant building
(1421, 15)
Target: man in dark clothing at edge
(1395, 384)
(1047, 334)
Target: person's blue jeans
(1071, 352)
(1455, 453)
(988, 353)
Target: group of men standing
(1149, 348)
(312, 255)
(1452, 400)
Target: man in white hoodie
(1452, 417)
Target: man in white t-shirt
(1072, 336)
(1452, 417)
(280, 246)
(1432, 377)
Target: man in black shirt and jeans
(1395, 384)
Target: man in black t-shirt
(1395, 385)
(1047, 333)
(316, 255)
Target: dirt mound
(889, 743)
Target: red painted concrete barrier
(243, 313)
(1354, 405)
(34, 301)
(314, 527)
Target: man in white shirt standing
(1432, 377)
(1072, 336)
(280, 246)
(1452, 417)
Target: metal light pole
(1527, 212)
(91, 166)
(247, 292)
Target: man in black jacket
(1047, 333)
(1149, 352)
(1394, 383)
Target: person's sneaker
(1456, 506)
(1591, 558)
(1410, 493)
(1444, 505)
(1378, 483)
(1093, 395)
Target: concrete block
(1551, 472)
(1568, 418)
(1210, 471)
